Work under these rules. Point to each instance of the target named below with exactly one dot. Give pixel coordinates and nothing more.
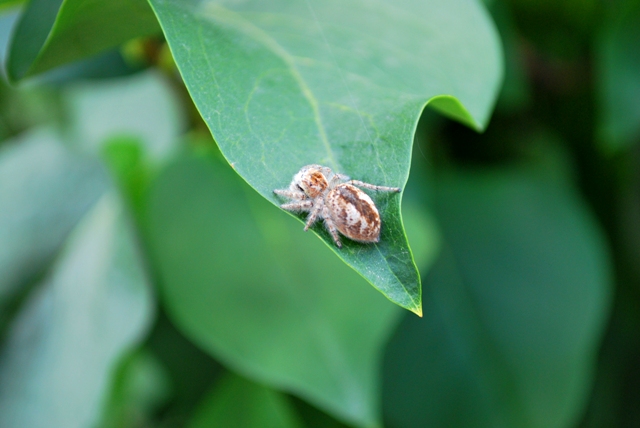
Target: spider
(336, 199)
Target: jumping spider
(334, 198)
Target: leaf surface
(44, 191)
(142, 106)
(339, 83)
(244, 283)
(516, 307)
(260, 407)
(618, 78)
(140, 387)
(56, 32)
(64, 344)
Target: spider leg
(337, 178)
(342, 177)
(317, 209)
(331, 226)
(373, 186)
(290, 194)
(298, 206)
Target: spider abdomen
(354, 213)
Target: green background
(148, 277)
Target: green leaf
(44, 191)
(56, 32)
(244, 283)
(238, 403)
(312, 417)
(618, 77)
(515, 309)
(141, 386)
(284, 84)
(134, 123)
(9, 3)
(8, 17)
(191, 371)
(142, 106)
(516, 91)
(423, 234)
(64, 344)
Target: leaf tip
(417, 310)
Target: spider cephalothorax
(336, 199)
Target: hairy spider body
(336, 199)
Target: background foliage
(148, 279)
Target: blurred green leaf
(340, 83)
(64, 345)
(192, 371)
(312, 417)
(9, 3)
(515, 93)
(25, 107)
(618, 77)
(44, 191)
(8, 18)
(423, 233)
(141, 385)
(22, 109)
(56, 32)
(238, 403)
(557, 29)
(126, 160)
(105, 65)
(241, 280)
(514, 309)
(142, 106)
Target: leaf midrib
(262, 37)
(229, 17)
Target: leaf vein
(221, 14)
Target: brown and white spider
(336, 199)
